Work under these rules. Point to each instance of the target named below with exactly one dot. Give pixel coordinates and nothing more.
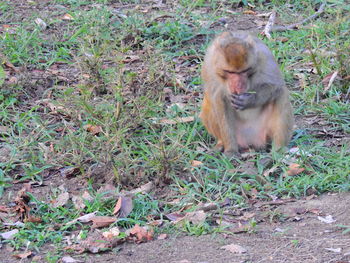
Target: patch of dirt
(302, 237)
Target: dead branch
(296, 25)
(269, 24)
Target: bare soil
(300, 237)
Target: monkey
(246, 103)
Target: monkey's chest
(252, 128)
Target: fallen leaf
(249, 12)
(102, 221)
(195, 163)
(87, 196)
(67, 17)
(246, 216)
(328, 219)
(207, 207)
(17, 224)
(4, 209)
(83, 219)
(40, 23)
(270, 171)
(95, 243)
(113, 232)
(235, 249)
(156, 222)
(69, 172)
(144, 189)
(197, 217)
(328, 80)
(177, 120)
(140, 234)
(33, 219)
(68, 259)
(294, 169)
(23, 255)
(123, 207)
(9, 234)
(11, 66)
(175, 217)
(335, 250)
(315, 211)
(78, 202)
(93, 129)
(108, 191)
(61, 200)
(162, 236)
(22, 199)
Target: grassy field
(99, 86)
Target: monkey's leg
(281, 124)
(224, 114)
(209, 120)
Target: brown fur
(265, 116)
(236, 56)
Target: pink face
(237, 82)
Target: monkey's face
(237, 66)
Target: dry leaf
(113, 232)
(177, 120)
(196, 217)
(162, 236)
(249, 12)
(9, 234)
(95, 243)
(102, 221)
(175, 217)
(68, 259)
(328, 80)
(108, 191)
(196, 163)
(83, 219)
(123, 206)
(69, 171)
(93, 129)
(246, 216)
(264, 14)
(87, 196)
(140, 234)
(22, 199)
(4, 209)
(40, 23)
(270, 171)
(67, 17)
(78, 202)
(23, 255)
(294, 169)
(328, 219)
(156, 222)
(144, 189)
(33, 219)
(335, 250)
(236, 249)
(61, 200)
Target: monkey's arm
(258, 96)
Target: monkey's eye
(248, 70)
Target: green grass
(46, 129)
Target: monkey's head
(236, 60)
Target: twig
(269, 24)
(296, 25)
(276, 202)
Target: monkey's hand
(243, 101)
